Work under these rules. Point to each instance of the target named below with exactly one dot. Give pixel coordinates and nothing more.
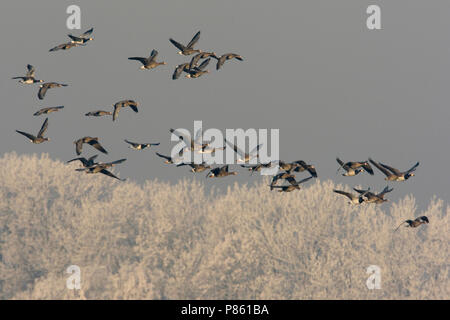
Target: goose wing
(380, 167)
(97, 146)
(194, 40)
(393, 170)
(177, 44)
(142, 60)
(42, 91)
(28, 135)
(43, 128)
(106, 172)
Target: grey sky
(311, 69)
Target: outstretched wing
(204, 64)
(87, 33)
(304, 180)
(177, 44)
(393, 170)
(132, 143)
(106, 172)
(82, 160)
(347, 194)
(256, 149)
(142, 60)
(153, 55)
(381, 168)
(385, 190)
(42, 91)
(413, 168)
(400, 225)
(194, 40)
(29, 136)
(31, 70)
(97, 146)
(43, 129)
(341, 164)
(235, 148)
(163, 156)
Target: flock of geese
(194, 69)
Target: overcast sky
(312, 69)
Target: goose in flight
(83, 38)
(40, 136)
(29, 77)
(196, 167)
(65, 46)
(197, 72)
(102, 168)
(280, 176)
(91, 141)
(301, 166)
(48, 85)
(257, 167)
(245, 157)
(98, 113)
(150, 62)
(371, 197)
(189, 49)
(85, 162)
(226, 57)
(220, 172)
(414, 223)
(393, 174)
(140, 146)
(195, 59)
(47, 110)
(354, 199)
(294, 185)
(122, 104)
(180, 69)
(191, 144)
(168, 159)
(354, 168)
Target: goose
(122, 104)
(187, 50)
(180, 69)
(285, 166)
(196, 167)
(354, 199)
(102, 168)
(65, 46)
(83, 38)
(91, 141)
(85, 162)
(97, 167)
(302, 166)
(191, 145)
(197, 72)
(294, 185)
(227, 56)
(354, 168)
(393, 174)
(98, 113)
(257, 167)
(150, 62)
(140, 146)
(195, 59)
(169, 160)
(370, 197)
(40, 136)
(220, 172)
(280, 176)
(29, 77)
(47, 110)
(245, 157)
(48, 85)
(414, 223)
